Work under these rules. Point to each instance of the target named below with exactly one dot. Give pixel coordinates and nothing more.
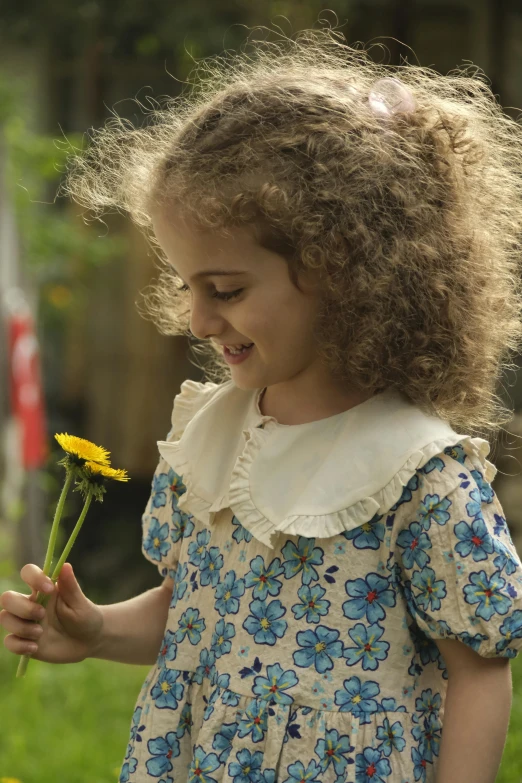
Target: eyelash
(224, 295)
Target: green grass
(70, 724)
(66, 724)
(511, 768)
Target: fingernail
(48, 587)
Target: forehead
(189, 246)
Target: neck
(288, 407)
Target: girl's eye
(225, 295)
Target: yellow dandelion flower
(107, 472)
(84, 449)
(10, 780)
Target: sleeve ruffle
(192, 396)
(164, 524)
(456, 563)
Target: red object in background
(27, 400)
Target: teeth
(237, 348)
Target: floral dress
(297, 658)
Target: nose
(204, 320)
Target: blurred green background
(64, 65)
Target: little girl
(338, 573)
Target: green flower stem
(69, 545)
(43, 598)
(56, 522)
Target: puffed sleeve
(164, 525)
(456, 563)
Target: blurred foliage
(153, 28)
(56, 248)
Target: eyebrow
(216, 272)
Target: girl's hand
(67, 630)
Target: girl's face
(254, 302)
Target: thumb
(68, 587)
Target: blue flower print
(180, 586)
(162, 750)
(357, 698)
(167, 692)
(371, 767)
(136, 728)
(510, 629)
(318, 647)
(431, 589)
(160, 482)
(264, 624)
(155, 543)
(420, 765)
(368, 648)
(168, 649)
(191, 625)
(273, 686)
(504, 559)
(474, 507)
(487, 493)
(128, 767)
(220, 681)
(254, 720)
(312, 603)
(247, 767)
(415, 542)
(368, 535)
(390, 705)
(474, 539)
(298, 774)
(182, 525)
(333, 750)
(472, 641)
(206, 668)
(264, 579)
(185, 721)
(487, 592)
(222, 741)
(369, 596)
(392, 736)
(433, 508)
(211, 563)
(428, 736)
(201, 767)
(197, 548)
(301, 559)
(221, 643)
(241, 533)
(267, 776)
(176, 485)
(228, 593)
(428, 703)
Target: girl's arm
(133, 629)
(476, 715)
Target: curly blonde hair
(414, 223)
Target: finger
(35, 578)
(19, 646)
(21, 606)
(22, 628)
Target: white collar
(316, 479)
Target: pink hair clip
(390, 96)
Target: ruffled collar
(316, 479)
